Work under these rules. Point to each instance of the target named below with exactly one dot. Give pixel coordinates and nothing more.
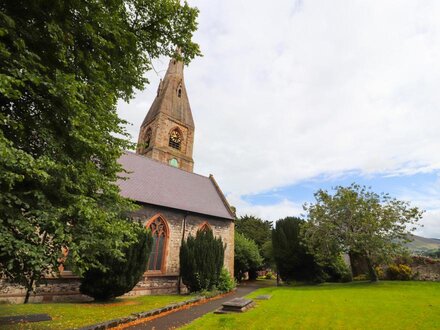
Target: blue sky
(303, 191)
(294, 96)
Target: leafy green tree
(254, 228)
(119, 277)
(63, 66)
(246, 256)
(292, 257)
(356, 220)
(201, 261)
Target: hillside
(423, 244)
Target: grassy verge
(75, 315)
(360, 305)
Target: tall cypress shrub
(292, 258)
(120, 276)
(201, 260)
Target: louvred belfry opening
(160, 235)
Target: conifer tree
(119, 277)
(201, 260)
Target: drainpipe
(179, 282)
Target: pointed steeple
(172, 98)
(167, 132)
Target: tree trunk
(372, 271)
(28, 291)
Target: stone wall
(66, 288)
(176, 219)
(159, 150)
(51, 289)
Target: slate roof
(155, 183)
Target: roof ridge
(222, 196)
(159, 162)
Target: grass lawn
(358, 305)
(74, 315)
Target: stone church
(174, 202)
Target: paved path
(181, 317)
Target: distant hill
(420, 243)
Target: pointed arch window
(175, 139)
(159, 231)
(147, 138)
(179, 90)
(204, 227)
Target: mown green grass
(75, 315)
(358, 305)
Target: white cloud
(270, 212)
(294, 89)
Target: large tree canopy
(63, 66)
(357, 220)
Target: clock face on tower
(175, 139)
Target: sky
(295, 96)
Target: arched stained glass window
(160, 235)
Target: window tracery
(160, 235)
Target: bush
(398, 272)
(201, 261)
(422, 260)
(269, 276)
(338, 271)
(246, 256)
(293, 260)
(121, 276)
(380, 273)
(225, 282)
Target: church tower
(167, 132)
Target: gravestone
(236, 305)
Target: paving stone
(25, 318)
(264, 297)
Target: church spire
(167, 132)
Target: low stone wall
(427, 272)
(67, 289)
(161, 284)
(52, 289)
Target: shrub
(380, 273)
(422, 260)
(246, 256)
(398, 272)
(120, 276)
(225, 282)
(293, 260)
(201, 261)
(269, 276)
(338, 271)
